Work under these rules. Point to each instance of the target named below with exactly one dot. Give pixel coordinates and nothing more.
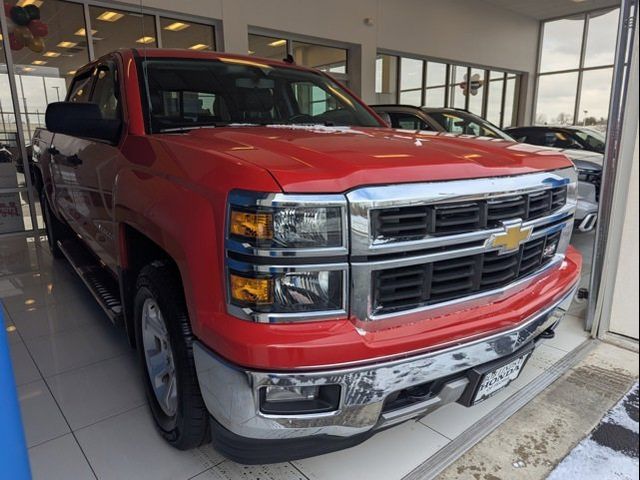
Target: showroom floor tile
(60, 458)
(85, 414)
(128, 446)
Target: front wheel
(165, 345)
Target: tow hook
(549, 333)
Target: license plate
(499, 378)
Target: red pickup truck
(295, 275)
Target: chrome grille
(423, 246)
(403, 288)
(405, 223)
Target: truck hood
(305, 159)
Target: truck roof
(194, 54)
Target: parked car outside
(569, 137)
(452, 120)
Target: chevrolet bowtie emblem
(511, 238)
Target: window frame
(580, 70)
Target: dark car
(565, 137)
(453, 120)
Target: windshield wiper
(185, 128)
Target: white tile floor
(85, 415)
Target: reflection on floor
(85, 413)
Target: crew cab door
(63, 153)
(93, 165)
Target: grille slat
(418, 221)
(403, 288)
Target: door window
(80, 89)
(105, 94)
(407, 121)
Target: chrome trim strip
(274, 317)
(231, 392)
(362, 201)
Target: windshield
(592, 140)
(464, 123)
(184, 94)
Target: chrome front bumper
(231, 393)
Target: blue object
(14, 461)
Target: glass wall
(488, 93)
(332, 60)
(120, 29)
(49, 40)
(576, 66)
(184, 34)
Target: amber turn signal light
(257, 291)
(251, 225)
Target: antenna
(144, 65)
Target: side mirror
(386, 118)
(81, 120)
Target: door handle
(74, 160)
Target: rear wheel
(165, 345)
(56, 230)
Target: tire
(56, 230)
(179, 413)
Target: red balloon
(15, 42)
(38, 28)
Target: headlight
(291, 227)
(262, 229)
(283, 225)
(287, 292)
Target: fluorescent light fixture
(24, 3)
(39, 62)
(51, 54)
(177, 26)
(145, 40)
(81, 32)
(198, 46)
(278, 43)
(110, 16)
(66, 44)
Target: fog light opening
(299, 400)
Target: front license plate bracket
(488, 379)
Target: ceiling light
(251, 52)
(81, 32)
(71, 72)
(66, 44)
(51, 54)
(110, 16)
(145, 40)
(39, 62)
(28, 69)
(177, 26)
(198, 46)
(24, 3)
(277, 43)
